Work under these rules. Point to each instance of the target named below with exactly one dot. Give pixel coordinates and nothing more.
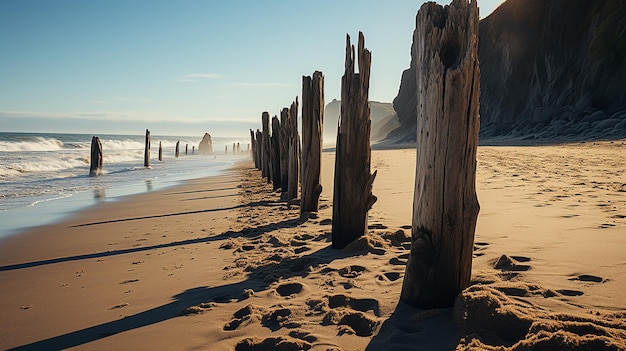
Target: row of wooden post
(276, 151)
(95, 167)
(445, 207)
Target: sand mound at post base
(491, 320)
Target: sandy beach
(221, 263)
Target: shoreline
(50, 210)
(220, 262)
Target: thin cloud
(192, 77)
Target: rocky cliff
(382, 115)
(550, 70)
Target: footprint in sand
(352, 271)
(388, 277)
(606, 225)
(362, 305)
(288, 289)
(303, 335)
(400, 260)
(568, 292)
(588, 278)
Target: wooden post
(186, 149)
(253, 153)
(95, 167)
(193, 150)
(284, 151)
(445, 206)
(352, 197)
(160, 152)
(294, 152)
(238, 148)
(265, 148)
(146, 152)
(177, 149)
(275, 152)
(312, 128)
(259, 146)
(226, 149)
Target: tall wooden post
(238, 148)
(294, 152)
(284, 152)
(177, 149)
(259, 146)
(160, 152)
(95, 167)
(352, 197)
(146, 152)
(186, 149)
(253, 153)
(265, 149)
(275, 153)
(226, 149)
(312, 131)
(445, 206)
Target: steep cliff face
(382, 115)
(550, 70)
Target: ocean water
(44, 177)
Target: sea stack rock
(206, 144)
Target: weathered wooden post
(146, 151)
(352, 196)
(226, 149)
(445, 206)
(186, 149)
(238, 148)
(284, 152)
(275, 152)
(177, 149)
(95, 167)
(259, 146)
(312, 128)
(160, 152)
(193, 150)
(294, 152)
(253, 153)
(265, 156)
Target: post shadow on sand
(289, 267)
(409, 328)
(247, 232)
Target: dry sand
(222, 264)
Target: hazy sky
(183, 67)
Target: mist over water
(42, 174)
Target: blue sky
(183, 67)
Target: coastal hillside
(551, 71)
(382, 114)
